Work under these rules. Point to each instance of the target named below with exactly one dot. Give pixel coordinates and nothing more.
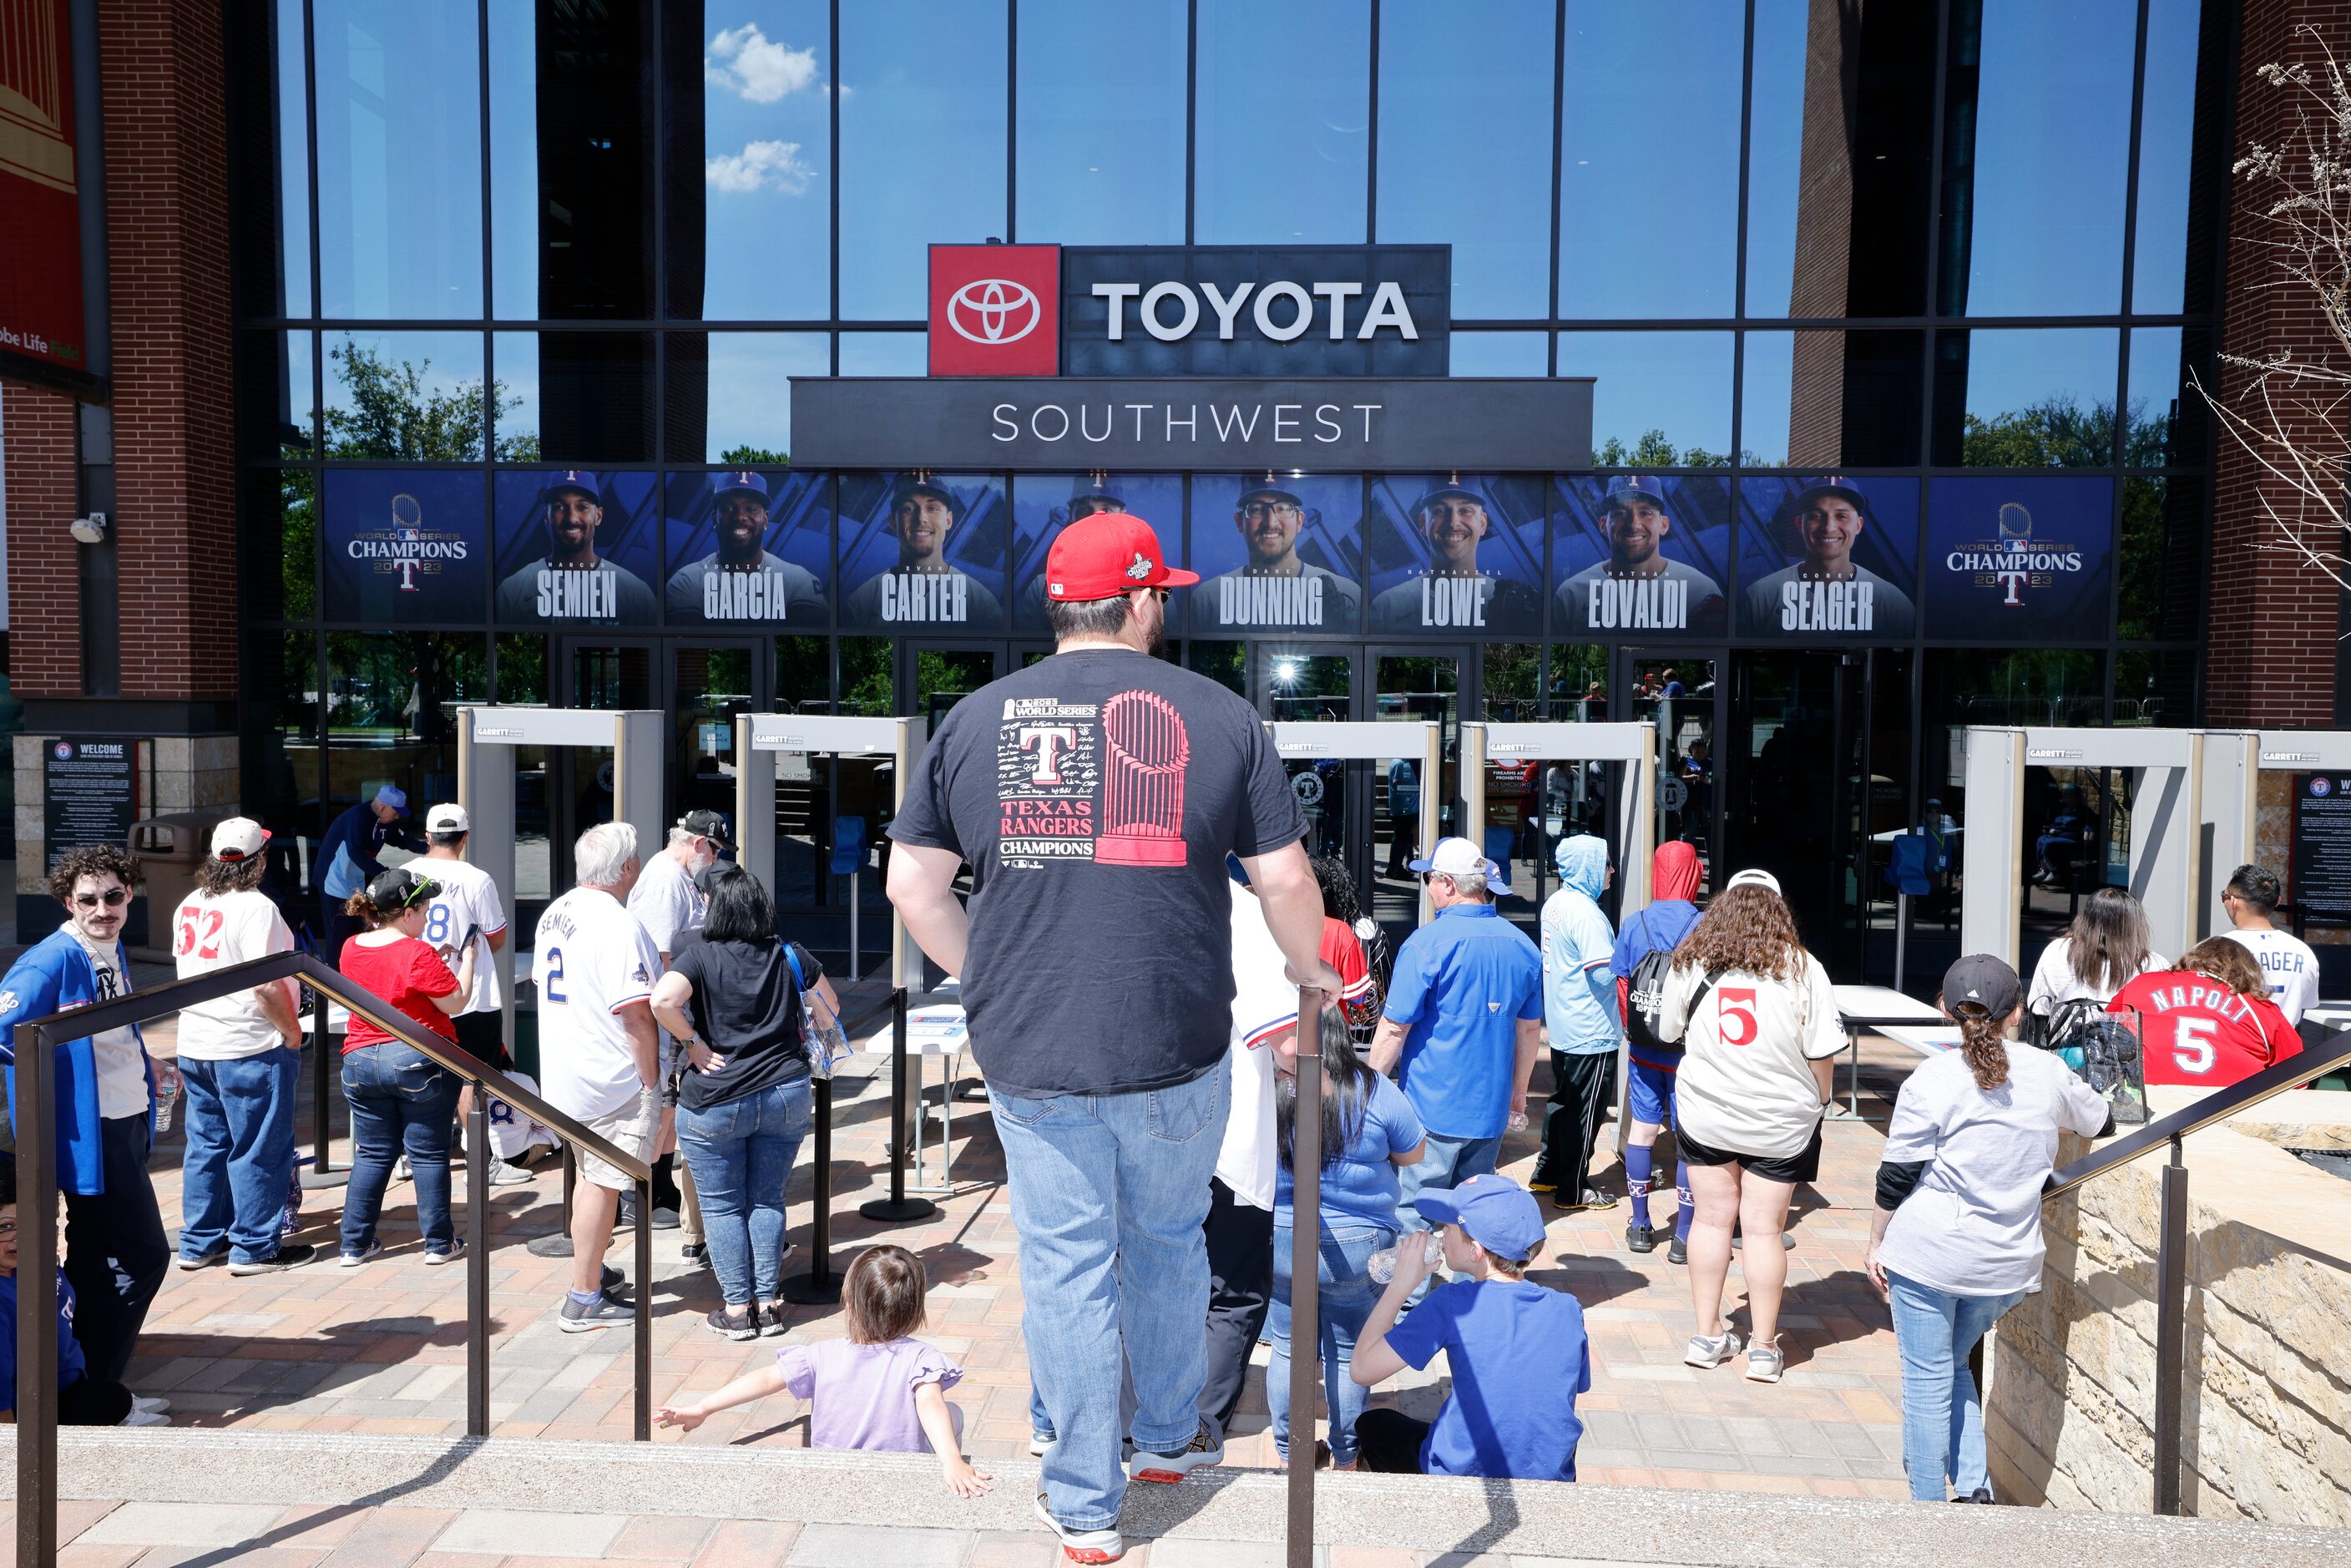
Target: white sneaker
(1082, 1545)
(153, 1405)
(1765, 1361)
(1705, 1351)
(505, 1175)
(139, 1417)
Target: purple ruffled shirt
(864, 1395)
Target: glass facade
(1961, 260)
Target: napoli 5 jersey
(2194, 1030)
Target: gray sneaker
(1711, 1351)
(1764, 1361)
(583, 1317)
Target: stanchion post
(37, 1316)
(1305, 1243)
(820, 1286)
(322, 1173)
(478, 1264)
(898, 1209)
(644, 1229)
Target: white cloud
(762, 165)
(745, 60)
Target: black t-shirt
(747, 1009)
(1095, 795)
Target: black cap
(400, 888)
(910, 488)
(705, 824)
(1984, 981)
(1445, 492)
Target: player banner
(1045, 504)
(404, 547)
(1276, 552)
(1640, 552)
(2019, 560)
(1827, 559)
(922, 551)
(578, 547)
(748, 545)
(1457, 554)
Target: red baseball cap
(1106, 555)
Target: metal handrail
(2171, 1249)
(36, 1195)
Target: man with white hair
(598, 1051)
(669, 903)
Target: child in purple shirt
(878, 1389)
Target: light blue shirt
(1462, 983)
(1579, 979)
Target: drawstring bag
(824, 1041)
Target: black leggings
(86, 1402)
(1388, 1441)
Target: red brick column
(167, 219)
(43, 579)
(2273, 620)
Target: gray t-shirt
(1973, 1225)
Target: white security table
(937, 1029)
(1878, 1008)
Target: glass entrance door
(1676, 693)
(1411, 687)
(709, 685)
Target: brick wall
(2272, 619)
(167, 216)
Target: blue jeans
(1443, 1165)
(401, 1101)
(1346, 1299)
(1942, 1415)
(741, 1155)
(1109, 1195)
(240, 1155)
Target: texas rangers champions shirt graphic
(1080, 782)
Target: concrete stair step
(1421, 1514)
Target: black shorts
(482, 1036)
(1803, 1165)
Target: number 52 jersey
(2195, 1031)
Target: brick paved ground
(380, 1349)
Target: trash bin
(171, 850)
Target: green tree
(755, 457)
(1654, 450)
(388, 414)
(2056, 433)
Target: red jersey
(1343, 951)
(2194, 1030)
(406, 973)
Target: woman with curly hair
(1759, 1032)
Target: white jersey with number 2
(591, 959)
(1747, 1084)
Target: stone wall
(2267, 1426)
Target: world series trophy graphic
(1142, 786)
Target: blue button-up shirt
(1462, 983)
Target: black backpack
(1644, 997)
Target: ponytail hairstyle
(1981, 994)
(1983, 1043)
(392, 894)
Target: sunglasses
(113, 898)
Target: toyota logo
(1003, 312)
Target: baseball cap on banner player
(1106, 555)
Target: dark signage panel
(1192, 426)
(1256, 310)
(2321, 867)
(89, 794)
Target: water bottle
(1381, 1265)
(167, 1094)
(1516, 1124)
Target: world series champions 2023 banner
(1045, 504)
(1641, 552)
(1828, 558)
(922, 551)
(578, 547)
(2010, 559)
(404, 547)
(1276, 552)
(749, 545)
(1456, 554)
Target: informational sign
(1826, 559)
(2019, 558)
(405, 546)
(748, 545)
(90, 793)
(1045, 504)
(1256, 310)
(578, 547)
(41, 320)
(922, 551)
(1177, 426)
(1641, 552)
(1277, 552)
(2320, 868)
(1456, 554)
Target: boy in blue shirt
(1516, 1350)
(82, 1400)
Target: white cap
(448, 818)
(1459, 857)
(1753, 878)
(237, 839)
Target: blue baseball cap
(742, 482)
(1626, 486)
(394, 796)
(1498, 1214)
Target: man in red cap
(1095, 795)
